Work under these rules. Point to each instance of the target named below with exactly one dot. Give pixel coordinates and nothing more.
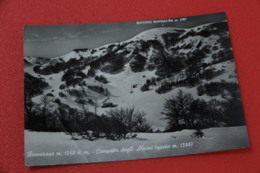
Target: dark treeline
(116, 124)
(185, 112)
(58, 65)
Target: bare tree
(177, 111)
(133, 121)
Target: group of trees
(33, 86)
(148, 83)
(91, 72)
(102, 79)
(58, 65)
(169, 65)
(138, 63)
(133, 120)
(80, 50)
(164, 87)
(209, 73)
(185, 112)
(217, 88)
(128, 121)
(116, 124)
(39, 118)
(73, 77)
(110, 63)
(99, 89)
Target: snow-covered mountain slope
(35, 60)
(142, 71)
(155, 34)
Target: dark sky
(57, 40)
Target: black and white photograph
(130, 90)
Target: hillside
(142, 72)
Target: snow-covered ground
(43, 148)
